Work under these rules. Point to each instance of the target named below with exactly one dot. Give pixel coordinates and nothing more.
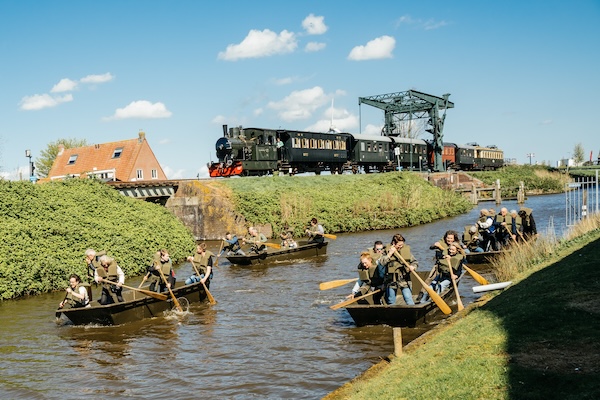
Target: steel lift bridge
(409, 105)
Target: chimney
(142, 136)
(61, 149)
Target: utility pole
(530, 155)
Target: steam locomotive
(257, 151)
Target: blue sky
(523, 75)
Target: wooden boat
(481, 258)
(304, 250)
(400, 314)
(136, 306)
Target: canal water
(271, 334)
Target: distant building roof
(126, 161)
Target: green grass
(539, 339)
(344, 203)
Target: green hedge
(46, 229)
(344, 203)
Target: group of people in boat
(103, 270)
(493, 232)
(233, 245)
(385, 270)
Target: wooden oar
(330, 236)
(218, 255)
(511, 236)
(437, 299)
(63, 302)
(210, 297)
(150, 293)
(334, 284)
(175, 301)
(480, 279)
(353, 300)
(459, 302)
(523, 237)
(259, 243)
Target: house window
(117, 152)
(140, 174)
(72, 159)
(154, 174)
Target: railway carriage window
(321, 144)
(305, 143)
(313, 143)
(342, 145)
(362, 146)
(335, 144)
(369, 147)
(328, 144)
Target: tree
(44, 162)
(578, 154)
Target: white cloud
(219, 119)
(343, 121)
(283, 81)
(173, 174)
(314, 25)
(141, 109)
(378, 48)
(373, 129)
(300, 104)
(260, 44)
(65, 85)
(547, 122)
(431, 24)
(427, 25)
(40, 101)
(258, 111)
(203, 172)
(107, 77)
(314, 46)
(164, 141)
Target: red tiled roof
(135, 154)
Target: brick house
(124, 161)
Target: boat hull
(304, 250)
(136, 307)
(481, 258)
(398, 315)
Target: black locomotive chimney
(224, 130)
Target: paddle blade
(437, 299)
(480, 279)
(353, 300)
(330, 236)
(209, 296)
(273, 245)
(334, 284)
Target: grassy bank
(536, 178)
(343, 203)
(46, 229)
(539, 339)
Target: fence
(581, 199)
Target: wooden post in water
(397, 341)
(497, 192)
(474, 199)
(521, 193)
